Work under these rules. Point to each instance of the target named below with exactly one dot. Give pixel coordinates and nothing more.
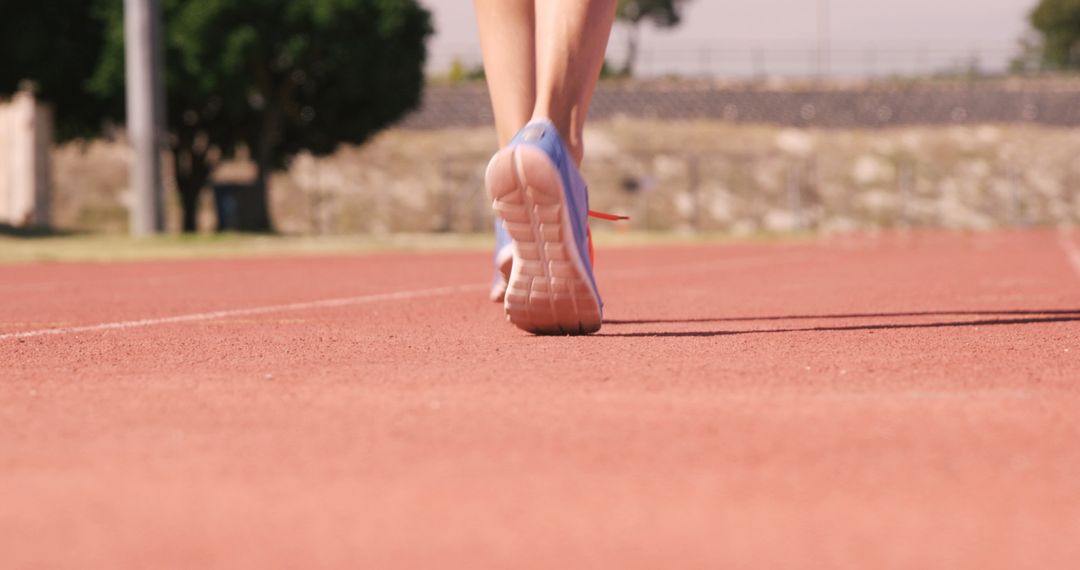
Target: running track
(904, 401)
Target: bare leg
(572, 37)
(542, 59)
(507, 40)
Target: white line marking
(212, 315)
(347, 301)
(1072, 252)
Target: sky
(734, 36)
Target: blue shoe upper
(502, 238)
(543, 135)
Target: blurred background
(371, 117)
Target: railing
(787, 59)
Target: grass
(118, 247)
(60, 247)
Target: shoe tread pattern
(547, 292)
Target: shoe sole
(549, 291)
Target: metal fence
(768, 157)
(793, 60)
(815, 104)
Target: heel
(548, 290)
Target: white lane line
(1072, 252)
(347, 301)
(212, 315)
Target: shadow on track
(7, 230)
(1027, 318)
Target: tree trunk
(191, 173)
(189, 209)
(257, 211)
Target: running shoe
(542, 201)
(504, 255)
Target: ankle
(570, 133)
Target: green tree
(662, 13)
(1058, 24)
(276, 77)
(55, 44)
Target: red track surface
(900, 402)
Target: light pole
(145, 114)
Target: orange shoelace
(605, 216)
(600, 216)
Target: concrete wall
(25, 170)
